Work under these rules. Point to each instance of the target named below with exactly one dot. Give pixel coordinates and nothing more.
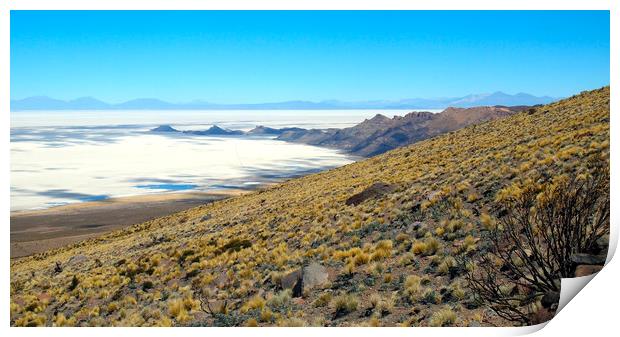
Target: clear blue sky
(249, 57)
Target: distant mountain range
(89, 103)
(381, 134)
(372, 136)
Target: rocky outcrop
(374, 191)
(380, 133)
(586, 264)
(306, 278)
(579, 259)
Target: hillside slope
(380, 134)
(379, 238)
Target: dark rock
(289, 280)
(374, 191)
(298, 288)
(550, 299)
(505, 267)
(602, 244)
(578, 259)
(455, 271)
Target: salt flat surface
(60, 157)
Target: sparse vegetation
(343, 305)
(401, 258)
(443, 317)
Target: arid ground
(41, 230)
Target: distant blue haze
(89, 103)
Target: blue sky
(267, 56)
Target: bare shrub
(532, 244)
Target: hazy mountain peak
(164, 128)
(379, 118)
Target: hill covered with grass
(377, 242)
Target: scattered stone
(314, 275)
(77, 259)
(374, 191)
(587, 269)
(289, 280)
(292, 281)
(206, 218)
(305, 278)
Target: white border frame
(592, 312)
